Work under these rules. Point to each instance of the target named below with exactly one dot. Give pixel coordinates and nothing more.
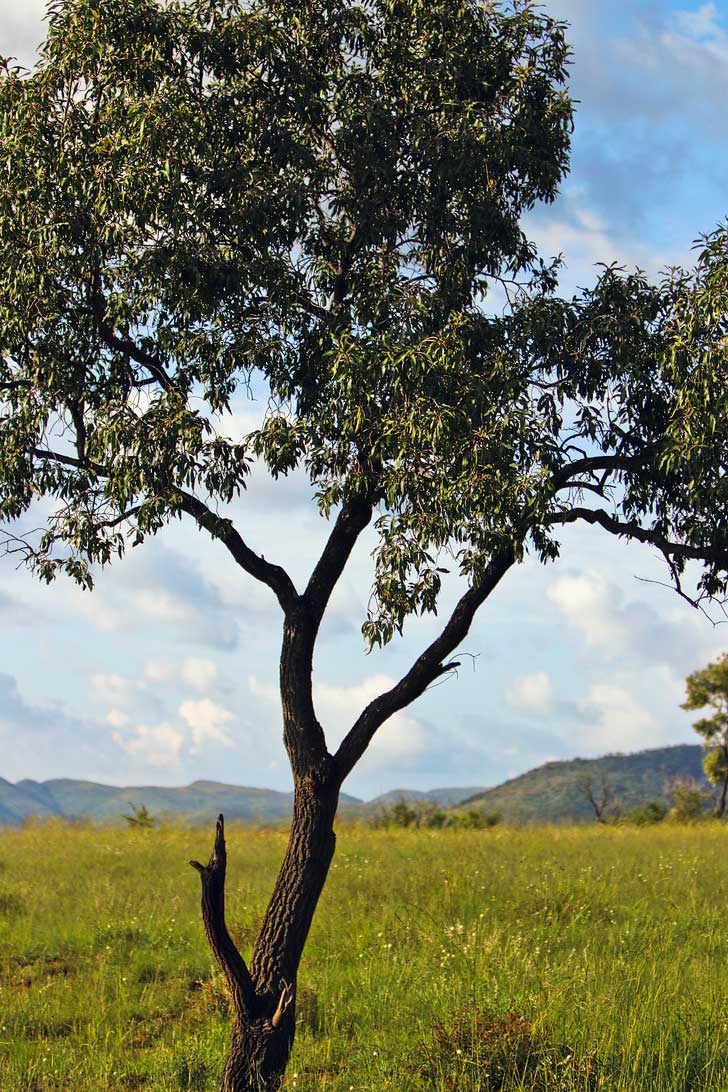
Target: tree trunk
(720, 810)
(264, 997)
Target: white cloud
(634, 710)
(116, 718)
(584, 599)
(657, 630)
(531, 692)
(574, 229)
(198, 673)
(682, 64)
(621, 722)
(155, 744)
(206, 721)
(195, 672)
(701, 24)
(116, 690)
(165, 588)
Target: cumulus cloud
(206, 721)
(43, 741)
(586, 238)
(195, 672)
(163, 588)
(402, 736)
(613, 625)
(649, 83)
(531, 692)
(156, 745)
(117, 718)
(619, 720)
(631, 710)
(684, 55)
(587, 603)
(116, 690)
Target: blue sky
(167, 671)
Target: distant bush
(688, 803)
(475, 819)
(402, 815)
(481, 1051)
(431, 817)
(647, 813)
(140, 817)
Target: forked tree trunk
(264, 997)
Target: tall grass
(601, 952)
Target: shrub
(481, 1051)
(651, 811)
(403, 815)
(688, 804)
(431, 817)
(475, 819)
(140, 817)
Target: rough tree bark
(264, 996)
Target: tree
(313, 200)
(687, 800)
(709, 688)
(602, 800)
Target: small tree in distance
(687, 800)
(312, 201)
(601, 798)
(709, 688)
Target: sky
(167, 671)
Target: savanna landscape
(559, 959)
(285, 310)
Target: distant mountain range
(199, 802)
(551, 793)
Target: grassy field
(554, 960)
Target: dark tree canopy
(317, 199)
(320, 202)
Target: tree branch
(69, 460)
(590, 464)
(273, 575)
(633, 530)
(229, 959)
(428, 667)
(350, 522)
(15, 385)
(124, 344)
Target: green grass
(608, 947)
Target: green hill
(199, 802)
(554, 792)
